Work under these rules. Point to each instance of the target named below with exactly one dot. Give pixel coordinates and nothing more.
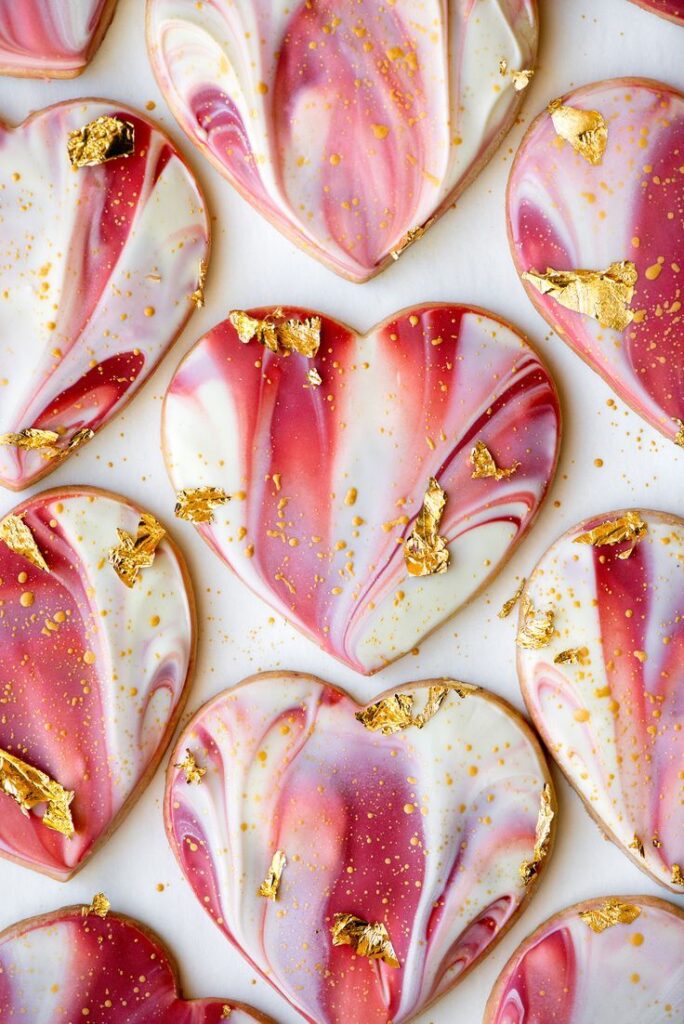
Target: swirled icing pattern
(51, 38)
(65, 967)
(424, 831)
(93, 674)
(615, 721)
(348, 125)
(98, 266)
(328, 481)
(567, 214)
(671, 9)
(565, 973)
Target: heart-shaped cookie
(48, 39)
(603, 678)
(617, 958)
(74, 965)
(360, 857)
(350, 127)
(597, 187)
(328, 481)
(100, 264)
(94, 671)
(673, 10)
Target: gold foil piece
(225, 1012)
(630, 529)
(585, 130)
(604, 295)
(520, 79)
(99, 907)
(610, 913)
(198, 295)
(510, 604)
(369, 940)
(436, 696)
(411, 236)
(279, 335)
(18, 538)
(313, 378)
(79, 438)
(485, 466)
(637, 845)
(425, 552)
(270, 885)
(573, 656)
(537, 628)
(197, 504)
(193, 772)
(677, 875)
(104, 139)
(394, 714)
(133, 554)
(530, 868)
(679, 436)
(30, 438)
(30, 786)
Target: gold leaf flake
(629, 529)
(610, 913)
(520, 79)
(585, 130)
(225, 1012)
(389, 715)
(657, 844)
(18, 538)
(132, 554)
(30, 438)
(537, 628)
(637, 845)
(530, 868)
(604, 295)
(193, 772)
(197, 504)
(425, 552)
(369, 940)
(679, 436)
(279, 334)
(100, 906)
(270, 885)
(573, 656)
(677, 875)
(30, 786)
(105, 138)
(509, 605)
(313, 378)
(485, 466)
(198, 295)
(79, 438)
(436, 696)
(411, 236)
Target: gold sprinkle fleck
(529, 869)
(30, 786)
(604, 295)
(313, 378)
(197, 504)
(270, 885)
(132, 554)
(193, 772)
(585, 130)
(425, 552)
(510, 604)
(279, 334)
(537, 628)
(637, 845)
(369, 940)
(198, 295)
(105, 138)
(610, 913)
(629, 529)
(485, 466)
(18, 538)
(100, 906)
(677, 875)
(573, 656)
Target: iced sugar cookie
(350, 126)
(97, 643)
(51, 38)
(360, 856)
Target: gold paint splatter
(18, 538)
(604, 295)
(270, 885)
(629, 529)
(100, 906)
(585, 130)
(192, 771)
(537, 628)
(105, 138)
(278, 334)
(485, 466)
(529, 869)
(197, 504)
(425, 552)
(30, 786)
(132, 554)
(369, 940)
(610, 913)
(510, 604)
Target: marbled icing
(673, 10)
(346, 124)
(567, 974)
(403, 403)
(93, 673)
(64, 968)
(424, 831)
(97, 265)
(50, 38)
(615, 724)
(566, 214)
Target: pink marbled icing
(566, 214)
(567, 974)
(673, 10)
(50, 38)
(97, 265)
(405, 402)
(93, 674)
(346, 124)
(424, 831)
(63, 968)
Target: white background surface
(463, 258)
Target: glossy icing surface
(672, 9)
(615, 723)
(347, 125)
(98, 266)
(65, 967)
(328, 481)
(42, 38)
(567, 214)
(424, 830)
(565, 973)
(94, 673)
